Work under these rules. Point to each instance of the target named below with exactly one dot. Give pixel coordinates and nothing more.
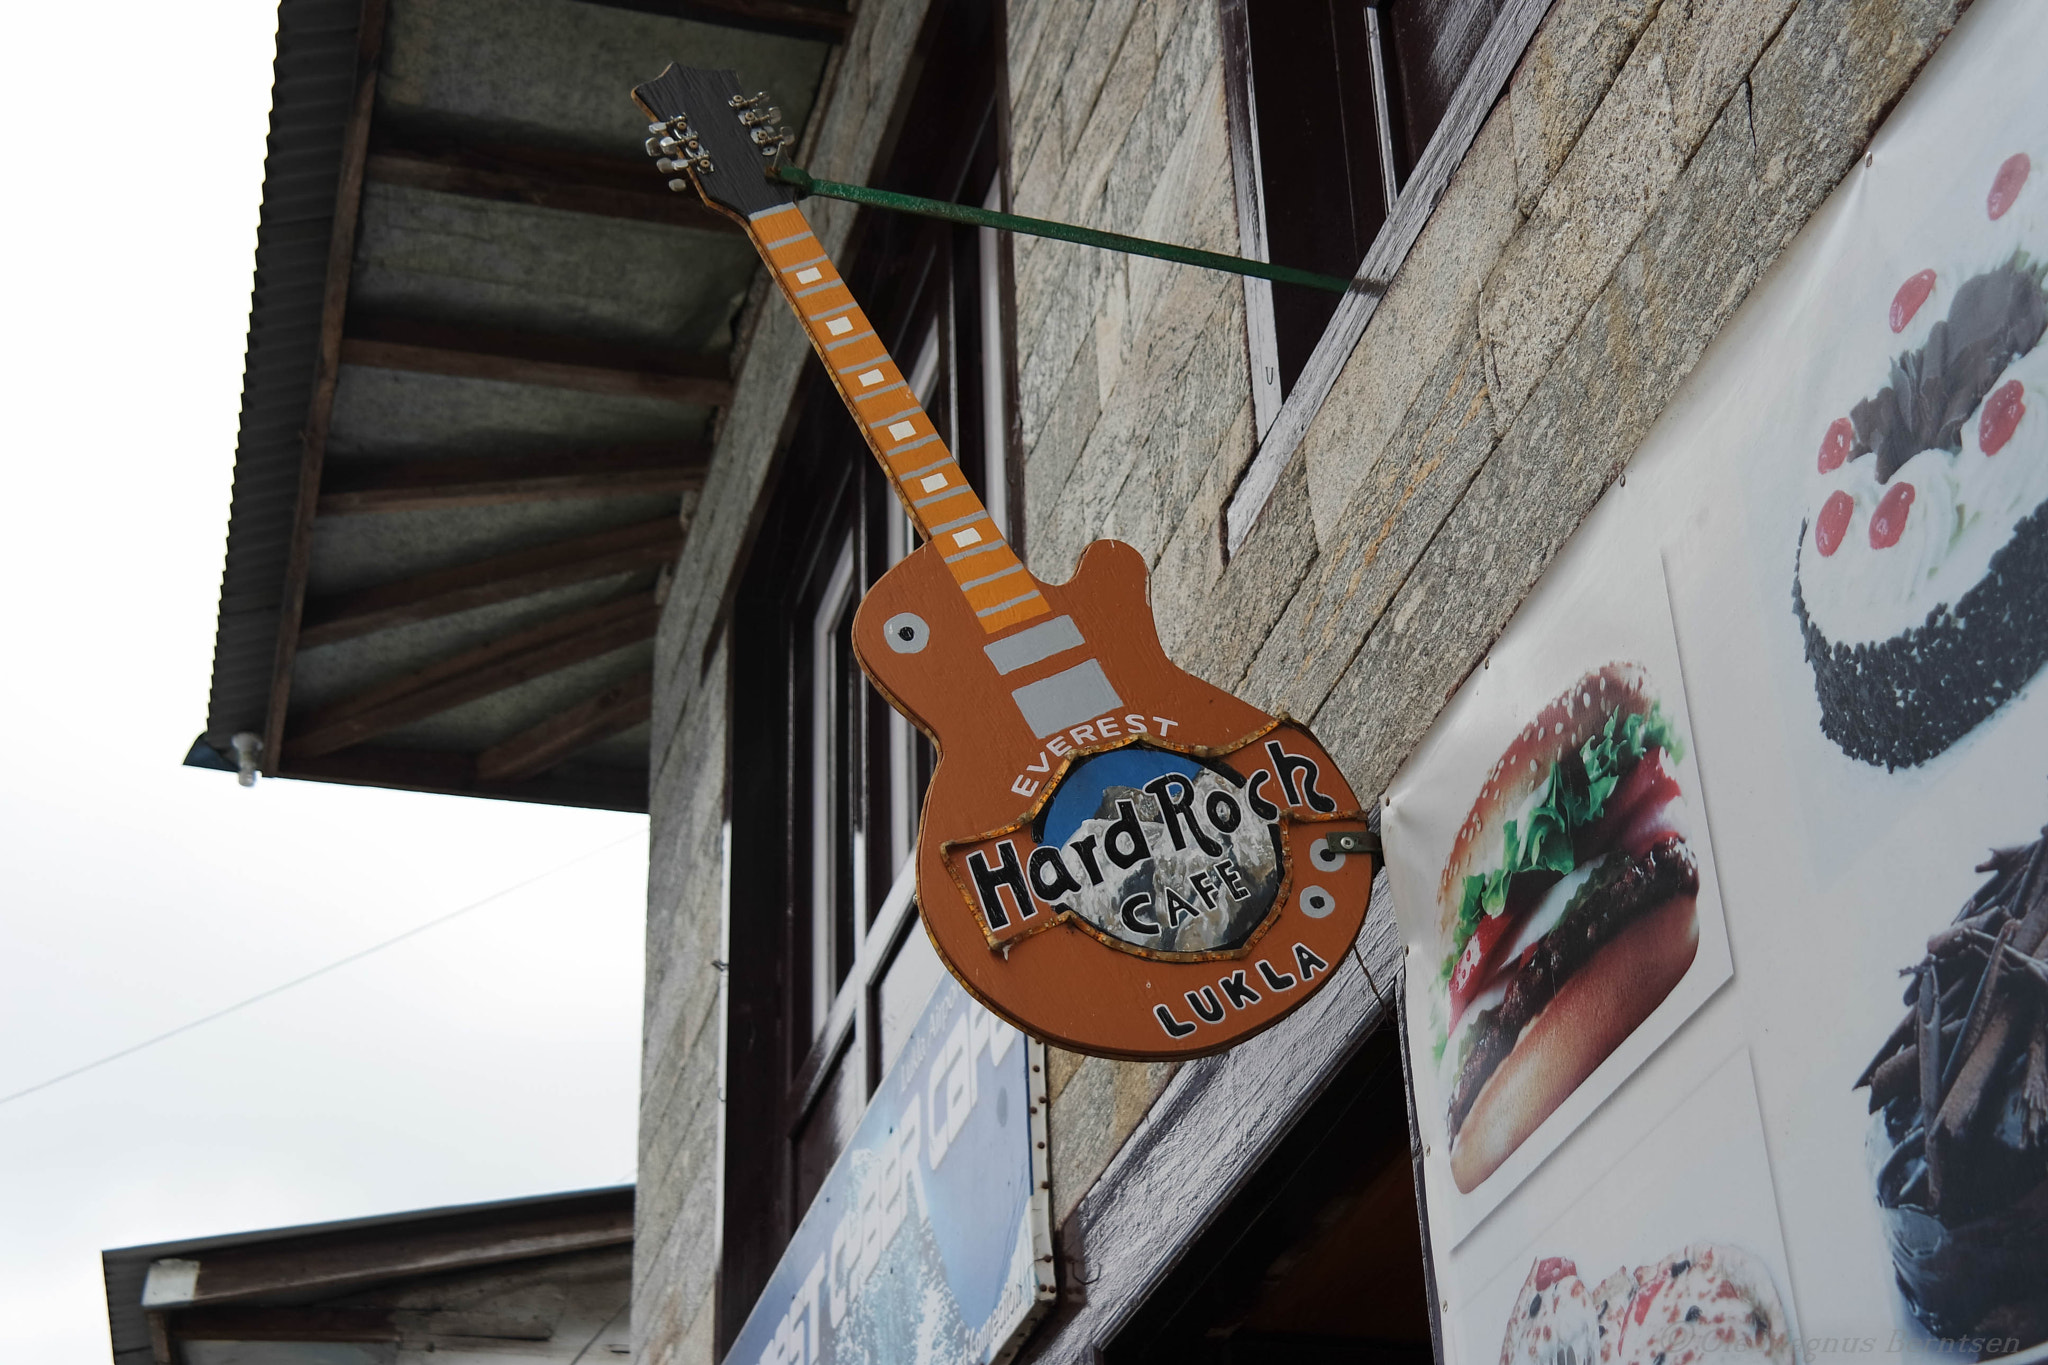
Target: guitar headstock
(711, 136)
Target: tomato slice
(1481, 962)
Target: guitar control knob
(1325, 854)
(906, 632)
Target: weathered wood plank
(496, 579)
(481, 481)
(284, 1324)
(332, 1261)
(618, 708)
(1207, 1134)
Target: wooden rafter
(772, 16)
(613, 711)
(338, 1260)
(341, 244)
(284, 1324)
(454, 774)
(441, 592)
(314, 1322)
(529, 358)
(474, 673)
(480, 481)
(544, 177)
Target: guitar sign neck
(934, 490)
(712, 138)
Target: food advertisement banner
(1722, 880)
(929, 1240)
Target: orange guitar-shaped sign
(1114, 855)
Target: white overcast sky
(491, 1057)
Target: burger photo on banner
(1570, 907)
(1569, 921)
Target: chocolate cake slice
(1959, 1134)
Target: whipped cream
(1965, 506)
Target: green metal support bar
(806, 183)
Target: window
(1332, 105)
(828, 966)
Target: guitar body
(1114, 855)
(1099, 983)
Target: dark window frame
(806, 1047)
(1281, 420)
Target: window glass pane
(849, 776)
(832, 682)
(1432, 42)
(1319, 156)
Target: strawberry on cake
(1921, 585)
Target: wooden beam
(341, 248)
(613, 711)
(768, 16)
(336, 1260)
(500, 578)
(529, 654)
(545, 177)
(284, 1324)
(239, 1322)
(454, 774)
(481, 481)
(531, 358)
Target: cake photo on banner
(1554, 882)
(1921, 586)
(1676, 1258)
(1958, 1142)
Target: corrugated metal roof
(522, 294)
(125, 1269)
(314, 86)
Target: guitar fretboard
(934, 490)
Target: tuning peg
(657, 127)
(654, 144)
(748, 101)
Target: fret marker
(934, 483)
(903, 431)
(870, 379)
(811, 276)
(839, 327)
(970, 536)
